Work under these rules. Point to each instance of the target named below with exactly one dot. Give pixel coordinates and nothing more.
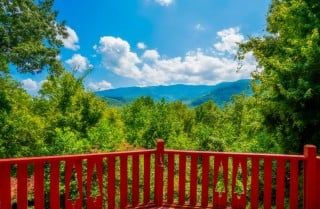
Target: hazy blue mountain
(192, 95)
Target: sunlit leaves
(28, 36)
(289, 84)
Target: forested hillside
(281, 115)
(191, 95)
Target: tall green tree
(29, 36)
(68, 105)
(288, 81)
(21, 129)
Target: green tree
(137, 119)
(288, 83)
(70, 112)
(29, 36)
(208, 127)
(21, 130)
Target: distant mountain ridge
(192, 95)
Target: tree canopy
(288, 84)
(29, 36)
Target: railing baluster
(22, 177)
(205, 181)
(255, 183)
(193, 179)
(74, 169)
(158, 177)
(239, 164)
(54, 185)
(39, 185)
(135, 180)
(78, 166)
(220, 197)
(170, 186)
(68, 178)
(5, 187)
(267, 183)
(94, 166)
(310, 177)
(280, 184)
(123, 181)
(318, 180)
(146, 181)
(294, 184)
(182, 178)
(111, 182)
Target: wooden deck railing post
(5, 187)
(310, 177)
(158, 181)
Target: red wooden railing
(162, 178)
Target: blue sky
(156, 42)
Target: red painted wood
(78, 166)
(146, 181)
(159, 168)
(220, 165)
(310, 180)
(111, 182)
(73, 168)
(193, 180)
(123, 181)
(95, 162)
(255, 183)
(267, 183)
(68, 175)
(94, 166)
(205, 181)
(294, 184)
(54, 185)
(170, 186)
(280, 184)
(5, 186)
(22, 177)
(39, 185)
(236, 154)
(239, 200)
(318, 180)
(182, 178)
(135, 180)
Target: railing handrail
(237, 154)
(135, 152)
(73, 156)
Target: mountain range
(191, 95)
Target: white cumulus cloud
(229, 39)
(116, 56)
(193, 68)
(164, 2)
(32, 86)
(202, 66)
(71, 42)
(141, 45)
(29, 84)
(151, 55)
(99, 86)
(79, 63)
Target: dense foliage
(65, 118)
(288, 89)
(28, 36)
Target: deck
(160, 178)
